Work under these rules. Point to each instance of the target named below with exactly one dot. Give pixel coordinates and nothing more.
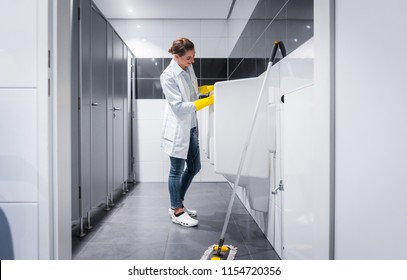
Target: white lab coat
(179, 110)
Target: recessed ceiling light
(153, 59)
(295, 40)
(308, 26)
(130, 10)
(138, 26)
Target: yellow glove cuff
(202, 103)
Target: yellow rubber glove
(205, 89)
(203, 102)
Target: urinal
(235, 102)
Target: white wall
(152, 164)
(24, 145)
(371, 132)
(153, 38)
(213, 38)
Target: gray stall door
(75, 161)
(126, 112)
(118, 109)
(85, 107)
(110, 112)
(99, 107)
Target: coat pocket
(170, 131)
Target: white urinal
(235, 102)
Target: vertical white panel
(306, 158)
(18, 47)
(300, 176)
(278, 241)
(61, 130)
(46, 238)
(21, 221)
(371, 133)
(324, 99)
(18, 145)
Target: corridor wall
(371, 135)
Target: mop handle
(243, 157)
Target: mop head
(228, 252)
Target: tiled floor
(139, 227)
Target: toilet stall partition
(101, 168)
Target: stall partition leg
(111, 199)
(89, 226)
(82, 232)
(107, 204)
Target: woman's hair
(180, 46)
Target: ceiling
(165, 9)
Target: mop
(228, 252)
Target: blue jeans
(180, 179)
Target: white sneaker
(192, 213)
(184, 220)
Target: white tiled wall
(152, 164)
(152, 38)
(22, 219)
(18, 145)
(23, 47)
(18, 33)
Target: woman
(179, 137)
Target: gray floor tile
(139, 251)
(264, 254)
(139, 227)
(120, 233)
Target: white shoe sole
(191, 213)
(184, 220)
